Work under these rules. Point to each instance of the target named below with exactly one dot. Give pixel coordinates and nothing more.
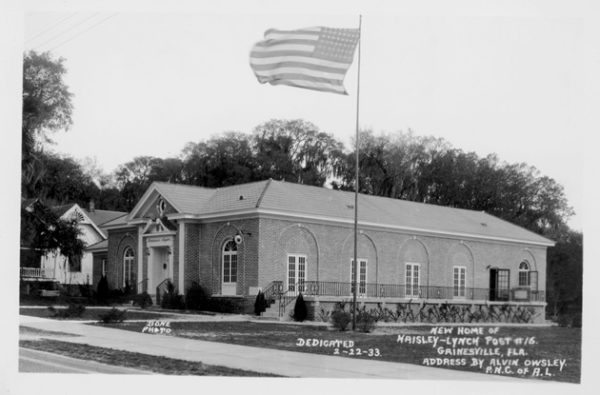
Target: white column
(140, 260)
(181, 256)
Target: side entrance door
(296, 274)
(499, 284)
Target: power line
(51, 27)
(65, 31)
(83, 31)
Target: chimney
(92, 206)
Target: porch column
(140, 257)
(181, 256)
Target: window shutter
(533, 280)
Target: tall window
(460, 280)
(103, 266)
(296, 269)
(230, 262)
(413, 279)
(524, 280)
(128, 267)
(362, 276)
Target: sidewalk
(284, 363)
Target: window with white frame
(230, 254)
(362, 276)
(296, 273)
(413, 279)
(129, 277)
(103, 266)
(460, 281)
(524, 280)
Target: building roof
(310, 201)
(99, 217)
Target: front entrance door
(159, 266)
(499, 284)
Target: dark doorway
(499, 281)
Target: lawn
(25, 330)
(160, 365)
(543, 347)
(92, 314)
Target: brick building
(285, 238)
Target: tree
(63, 181)
(564, 278)
(296, 151)
(42, 232)
(220, 161)
(47, 108)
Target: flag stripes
(313, 58)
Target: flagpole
(355, 262)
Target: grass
(25, 330)
(152, 363)
(551, 342)
(92, 314)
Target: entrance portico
(160, 259)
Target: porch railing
(373, 290)
(37, 272)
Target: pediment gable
(152, 205)
(159, 226)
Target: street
(33, 361)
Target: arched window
(524, 274)
(230, 262)
(128, 267)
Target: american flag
(313, 58)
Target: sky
(504, 81)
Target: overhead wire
(83, 31)
(65, 31)
(50, 27)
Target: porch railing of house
(345, 289)
(37, 272)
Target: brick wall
(192, 255)
(118, 241)
(330, 248)
(203, 259)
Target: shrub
(113, 315)
(143, 300)
(300, 311)
(260, 304)
(74, 310)
(223, 305)
(171, 299)
(340, 318)
(366, 320)
(324, 315)
(85, 290)
(102, 290)
(195, 298)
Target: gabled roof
(321, 203)
(97, 218)
(100, 217)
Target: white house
(90, 222)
